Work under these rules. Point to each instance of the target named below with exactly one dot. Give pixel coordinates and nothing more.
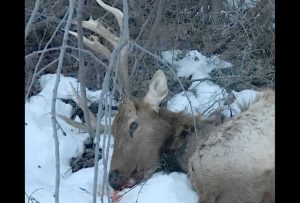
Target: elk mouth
(119, 182)
(133, 180)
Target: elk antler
(116, 12)
(102, 31)
(94, 45)
(98, 28)
(92, 42)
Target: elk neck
(181, 141)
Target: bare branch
(121, 59)
(46, 66)
(143, 27)
(32, 17)
(54, 96)
(42, 51)
(104, 93)
(82, 72)
(67, 47)
(89, 53)
(42, 55)
(151, 35)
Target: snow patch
(174, 187)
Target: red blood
(115, 197)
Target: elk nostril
(114, 180)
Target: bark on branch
(54, 96)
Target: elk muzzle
(115, 180)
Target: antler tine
(116, 12)
(99, 29)
(71, 122)
(80, 104)
(94, 45)
(78, 125)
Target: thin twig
(151, 35)
(43, 37)
(90, 53)
(82, 69)
(202, 79)
(41, 57)
(35, 191)
(109, 123)
(59, 127)
(104, 182)
(46, 66)
(54, 96)
(45, 50)
(107, 131)
(144, 26)
(143, 183)
(85, 190)
(136, 201)
(67, 47)
(30, 198)
(32, 17)
(112, 64)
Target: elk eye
(133, 126)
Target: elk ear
(158, 90)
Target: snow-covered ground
(77, 187)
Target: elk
(226, 162)
(231, 161)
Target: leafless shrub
(245, 38)
(240, 35)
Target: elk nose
(114, 180)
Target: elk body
(226, 162)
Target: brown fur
(217, 159)
(164, 140)
(237, 162)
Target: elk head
(138, 133)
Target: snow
(78, 186)
(243, 98)
(39, 147)
(198, 65)
(174, 187)
(203, 99)
(203, 95)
